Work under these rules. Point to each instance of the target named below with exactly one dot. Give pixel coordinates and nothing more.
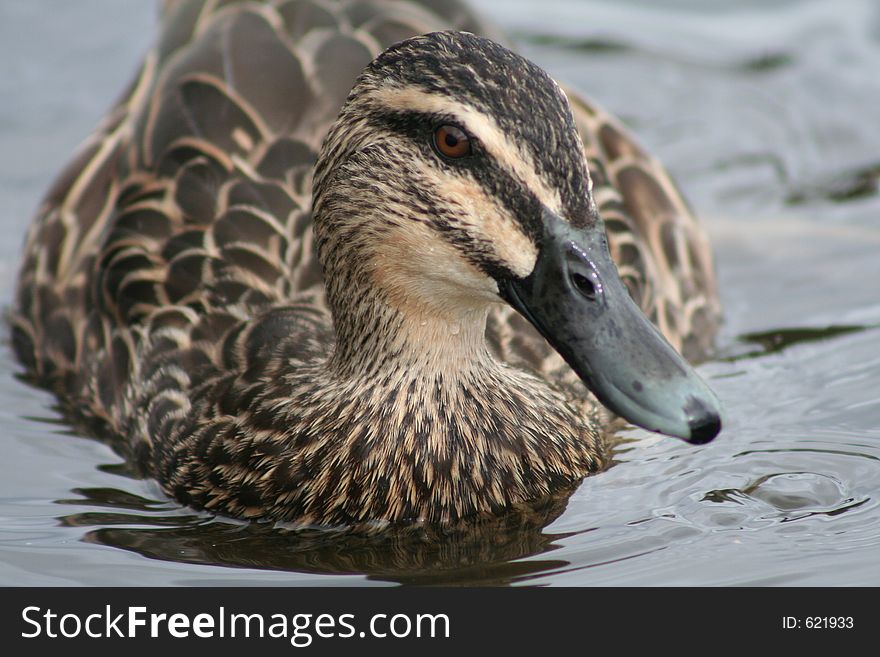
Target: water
(766, 112)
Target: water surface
(765, 112)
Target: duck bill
(576, 299)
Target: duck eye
(451, 141)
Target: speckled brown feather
(172, 296)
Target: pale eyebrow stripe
(483, 126)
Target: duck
(337, 263)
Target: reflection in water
(485, 553)
(777, 340)
(859, 183)
(760, 63)
(790, 496)
(593, 45)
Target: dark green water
(766, 112)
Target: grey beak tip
(704, 425)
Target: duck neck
(400, 295)
(380, 329)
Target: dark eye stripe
(451, 141)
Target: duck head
(455, 178)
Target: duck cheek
(456, 282)
(414, 262)
(488, 223)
